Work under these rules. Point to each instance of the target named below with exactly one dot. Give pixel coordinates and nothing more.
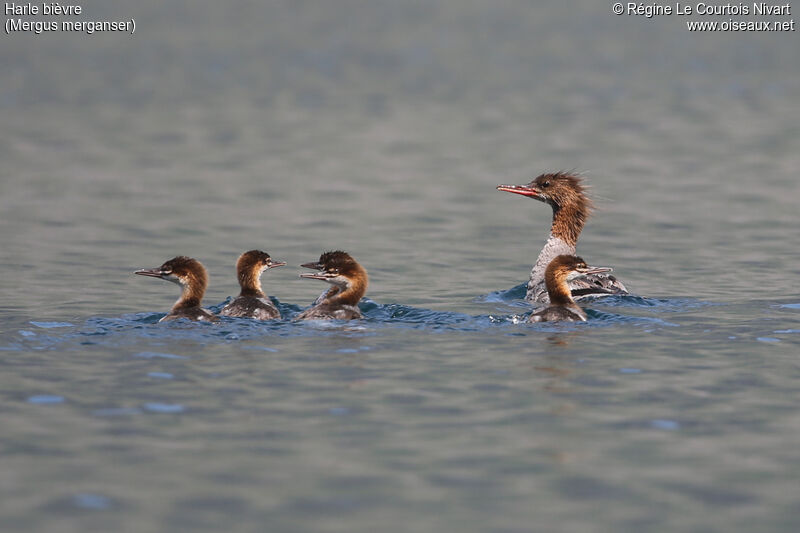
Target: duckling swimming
(191, 275)
(558, 274)
(252, 302)
(348, 281)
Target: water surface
(382, 129)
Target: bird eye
(545, 185)
(334, 271)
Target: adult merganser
(559, 272)
(565, 193)
(252, 302)
(191, 275)
(348, 282)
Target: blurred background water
(382, 128)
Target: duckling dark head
(348, 277)
(336, 267)
(576, 264)
(251, 265)
(182, 270)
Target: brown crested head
(566, 194)
(558, 189)
(251, 265)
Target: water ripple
(136, 328)
(45, 399)
(515, 296)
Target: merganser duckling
(565, 193)
(348, 282)
(559, 272)
(191, 275)
(252, 302)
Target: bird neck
(350, 294)
(250, 282)
(558, 288)
(191, 296)
(568, 222)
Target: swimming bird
(566, 194)
(560, 271)
(252, 302)
(348, 281)
(191, 275)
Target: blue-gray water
(382, 128)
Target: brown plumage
(562, 307)
(348, 281)
(566, 194)
(252, 302)
(192, 277)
